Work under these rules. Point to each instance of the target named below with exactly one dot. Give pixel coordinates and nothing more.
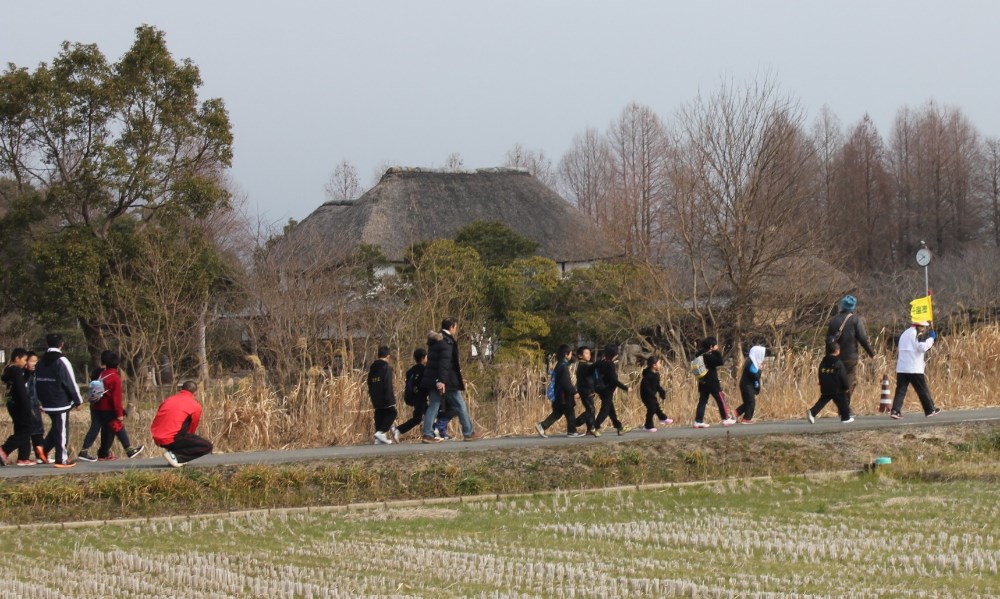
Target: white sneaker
(701, 425)
(729, 422)
(541, 431)
(809, 415)
(171, 459)
(395, 434)
(381, 438)
(848, 421)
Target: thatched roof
(410, 205)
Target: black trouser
(850, 368)
(21, 437)
(749, 396)
(58, 436)
(418, 416)
(102, 421)
(384, 417)
(720, 400)
(561, 409)
(188, 446)
(839, 399)
(653, 409)
(587, 416)
(919, 382)
(607, 411)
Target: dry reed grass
(507, 399)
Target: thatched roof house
(411, 204)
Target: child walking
(607, 383)
(709, 385)
(833, 385)
(649, 388)
(383, 397)
(750, 383)
(19, 408)
(107, 414)
(413, 395)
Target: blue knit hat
(848, 303)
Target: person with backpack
(833, 385)
(705, 368)
(383, 396)
(413, 394)
(847, 330)
(750, 383)
(19, 408)
(649, 388)
(586, 379)
(606, 385)
(107, 412)
(562, 393)
(58, 394)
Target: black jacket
(442, 363)
(750, 379)
(55, 383)
(833, 376)
(853, 334)
(18, 400)
(414, 394)
(710, 382)
(585, 378)
(650, 386)
(608, 379)
(565, 390)
(380, 385)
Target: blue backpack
(550, 390)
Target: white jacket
(911, 352)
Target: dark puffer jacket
(442, 363)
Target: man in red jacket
(174, 426)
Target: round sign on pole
(923, 256)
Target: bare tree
(639, 144)
(991, 185)
(828, 138)
(535, 162)
(749, 172)
(586, 174)
(861, 202)
(344, 185)
(936, 158)
(454, 161)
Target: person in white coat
(913, 344)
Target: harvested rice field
(849, 536)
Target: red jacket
(111, 401)
(177, 413)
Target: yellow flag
(920, 310)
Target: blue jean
(455, 401)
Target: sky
(377, 82)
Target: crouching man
(174, 427)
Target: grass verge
(954, 452)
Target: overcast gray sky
(308, 84)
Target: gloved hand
(932, 334)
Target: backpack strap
(840, 331)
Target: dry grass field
(251, 414)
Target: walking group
(434, 384)
(47, 385)
(433, 388)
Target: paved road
(778, 427)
